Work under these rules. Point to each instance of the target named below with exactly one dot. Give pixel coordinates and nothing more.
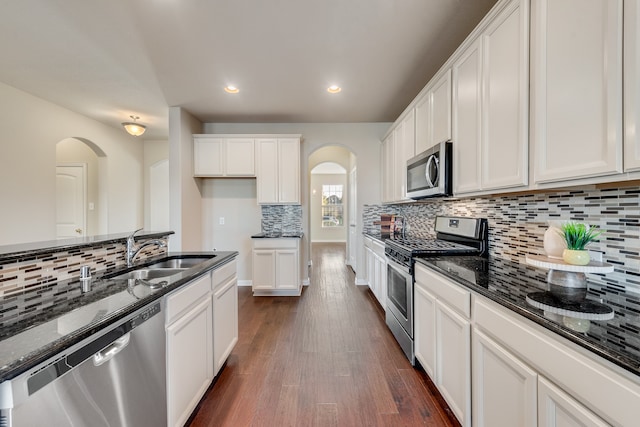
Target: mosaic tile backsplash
(40, 270)
(281, 219)
(517, 224)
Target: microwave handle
(428, 168)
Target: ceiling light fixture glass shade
(334, 89)
(231, 89)
(133, 128)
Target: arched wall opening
(82, 154)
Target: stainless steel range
(454, 236)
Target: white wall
(363, 139)
(236, 201)
(31, 127)
(185, 194)
(154, 152)
(317, 231)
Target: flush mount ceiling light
(231, 89)
(334, 89)
(133, 128)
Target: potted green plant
(577, 235)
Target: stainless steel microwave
(429, 173)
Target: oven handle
(399, 267)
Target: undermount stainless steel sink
(182, 263)
(148, 273)
(163, 268)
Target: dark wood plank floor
(323, 359)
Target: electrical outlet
(221, 222)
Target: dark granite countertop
(509, 283)
(37, 324)
(282, 235)
(33, 249)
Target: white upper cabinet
(631, 86)
(278, 170)
(223, 157)
(576, 88)
(467, 104)
(490, 105)
(433, 114)
(397, 148)
(388, 168)
(505, 119)
(404, 138)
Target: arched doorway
(333, 169)
(81, 196)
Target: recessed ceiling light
(231, 89)
(334, 89)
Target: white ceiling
(110, 59)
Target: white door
(71, 193)
(159, 196)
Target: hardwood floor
(325, 358)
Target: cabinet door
(381, 272)
(631, 86)
(576, 88)
(421, 112)
(388, 168)
(289, 170)
(453, 361)
(264, 269)
(240, 157)
(225, 322)
(189, 361)
(504, 388)
(287, 269)
(406, 148)
(505, 107)
(558, 409)
(425, 329)
(267, 170)
(371, 268)
(467, 91)
(440, 112)
(208, 156)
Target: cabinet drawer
(614, 396)
(186, 296)
(222, 274)
(281, 243)
(450, 293)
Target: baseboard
(362, 282)
(306, 282)
(245, 282)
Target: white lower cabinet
(496, 368)
(557, 409)
(276, 266)
(573, 388)
(376, 262)
(225, 313)
(442, 338)
(189, 348)
(504, 388)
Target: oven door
(400, 295)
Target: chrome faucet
(132, 250)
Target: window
(332, 206)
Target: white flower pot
(553, 241)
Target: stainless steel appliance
(454, 236)
(429, 173)
(116, 377)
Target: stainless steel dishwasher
(116, 377)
